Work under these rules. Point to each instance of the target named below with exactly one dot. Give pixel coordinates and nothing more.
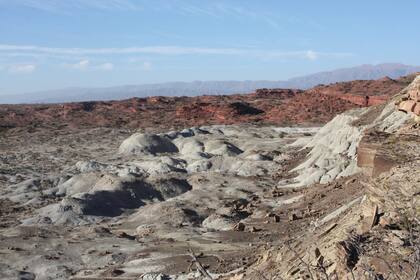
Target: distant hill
(363, 72)
(282, 107)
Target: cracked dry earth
(214, 202)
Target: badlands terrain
(277, 184)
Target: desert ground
(227, 201)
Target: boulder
(411, 100)
(407, 106)
(416, 109)
(239, 227)
(415, 95)
(219, 222)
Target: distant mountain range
(363, 72)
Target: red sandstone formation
(364, 93)
(410, 102)
(266, 106)
(378, 152)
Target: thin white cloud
(311, 55)
(139, 63)
(81, 65)
(65, 6)
(212, 9)
(242, 12)
(85, 65)
(106, 66)
(168, 50)
(22, 68)
(147, 66)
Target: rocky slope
(375, 234)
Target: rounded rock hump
(140, 143)
(221, 147)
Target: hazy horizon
(202, 81)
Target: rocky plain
(277, 184)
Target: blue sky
(48, 44)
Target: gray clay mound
(106, 196)
(188, 146)
(140, 143)
(170, 213)
(171, 187)
(29, 191)
(222, 148)
(199, 166)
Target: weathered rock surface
(375, 235)
(410, 101)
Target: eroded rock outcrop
(410, 101)
(374, 235)
(333, 152)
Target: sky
(51, 44)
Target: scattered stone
(154, 276)
(254, 229)
(25, 275)
(380, 265)
(319, 258)
(126, 235)
(348, 254)
(374, 217)
(239, 227)
(293, 216)
(13, 248)
(273, 218)
(277, 193)
(385, 221)
(114, 272)
(329, 229)
(101, 230)
(394, 240)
